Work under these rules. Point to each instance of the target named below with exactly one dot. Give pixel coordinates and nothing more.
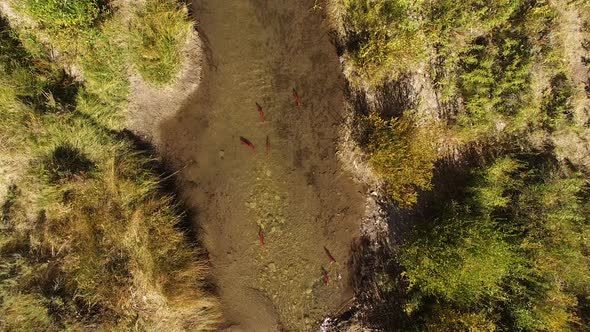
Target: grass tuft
(158, 35)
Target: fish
(267, 145)
(326, 276)
(261, 237)
(296, 95)
(261, 112)
(332, 259)
(247, 143)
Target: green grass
(385, 41)
(97, 39)
(158, 36)
(106, 72)
(88, 237)
(57, 14)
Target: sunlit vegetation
(105, 44)
(89, 239)
(508, 250)
(158, 34)
(514, 252)
(386, 39)
(481, 58)
(403, 154)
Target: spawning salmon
(247, 143)
(326, 276)
(260, 111)
(332, 259)
(261, 236)
(296, 95)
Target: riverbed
(269, 215)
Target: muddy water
(296, 195)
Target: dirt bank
(259, 50)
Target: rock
(272, 267)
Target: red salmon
(296, 95)
(326, 276)
(247, 143)
(332, 259)
(261, 236)
(261, 112)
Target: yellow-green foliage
(517, 246)
(23, 313)
(496, 180)
(99, 40)
(106, 72)
(450, 320)
(158, 34)
(58, 14)
(478, 53)
(386, 37)
(88, 238)
(462, 261)
(403, 154)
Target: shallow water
(297, 194)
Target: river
(296, 195)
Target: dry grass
(403, 155)
(158, 36)
(88, 238)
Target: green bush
(515, 249)
(462, 261)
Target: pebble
(221, 154)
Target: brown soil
(298, 195)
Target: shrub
(403, 154)
(386, 40)
(514, 250)
(465, 262)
